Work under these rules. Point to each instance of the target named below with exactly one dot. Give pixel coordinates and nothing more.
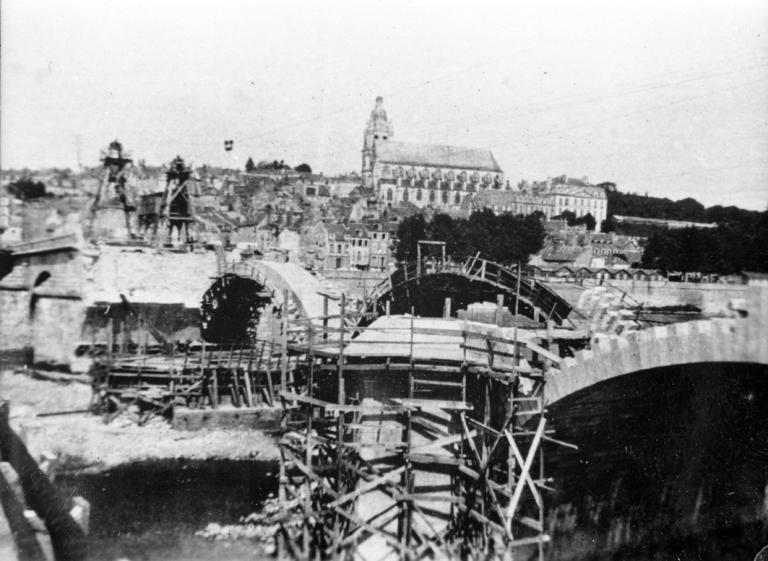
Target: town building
(512, 201)
(425, 175)
(356, 245)
(580, 198)
(552, 198)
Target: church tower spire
(379, 129)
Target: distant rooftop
(411, 154)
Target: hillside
(738, 244)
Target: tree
(504, 238)
(250, 166)
(303, 168)
(409, 232)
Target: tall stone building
(423, 174)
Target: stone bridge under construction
(423, 290)
(232, 305)
(718, 340)
(408, 433)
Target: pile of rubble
(261, 527)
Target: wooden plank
(469, 472)
(559, 442)
(435, 459)
(470, 439)
(353, 537)
(519, 459)
(426, 382)
(524, 472)
(546, 353)
(442, 442)
(309, 473)
(434, 404)
(419, 365)
(485, 428)
(531, 523)
(434, 427)
(428, 497)
(484, 520)
(370, 485)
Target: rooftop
(437, 155)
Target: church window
(437, 174)
(475, 176)
(418, 195)
(399, 172)
(405, 195)
(424, 174)
(431, 196)
(463, 176)
(386, 172)
(445, 197)
(411, 173)
(389, 194)
(450, 176)
(457, 199)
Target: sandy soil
(83, 441)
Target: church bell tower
(379, 129)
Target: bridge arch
(424, 289)
(234, 302)
(721, 340)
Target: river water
(672, 465)
(150, 511)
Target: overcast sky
(665, 97)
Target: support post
(325, 317)
(284, 344)
(447, 308)
(499, 309)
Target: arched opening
(671, 460)
(231, 309)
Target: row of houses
(583, 248)
(551, 198)
(357, 245)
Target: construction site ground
(156, 494)
(82, 441)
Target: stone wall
(738, 339)
(355, 283)
(56, 327)
(15, 326)
(709, 297)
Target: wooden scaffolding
(412, 441)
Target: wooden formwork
(411, 456)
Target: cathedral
(423, 174)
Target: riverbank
(81, 442)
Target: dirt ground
(83, 442)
